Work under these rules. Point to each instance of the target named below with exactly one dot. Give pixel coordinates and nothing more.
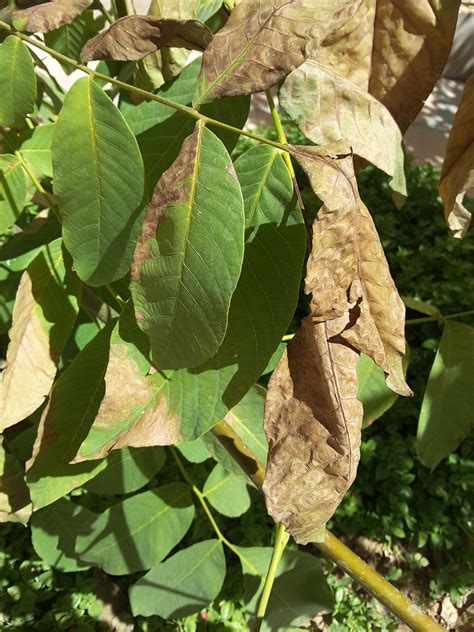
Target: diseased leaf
(127, 470)
(134, 36)
(313, 424)
(226, 493)
(185, 583)
(13, 190)
(189, 255)
(99, 183)
(45, 309)
(261, 44)
(42, 18)
(137, 533)
(457, 174)
(73, 405)
(347, 265)
(17, 82)
(15, 503)
(54, 531)
(446, 412)
(327, 108)
(36, 151)
(395, 50)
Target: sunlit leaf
(194, 451)
(99, 183)
(372, 391)
(185, 583)
(207, 8)
(446, 412)
(227, 493)
(13, 190)
(41, 18)
(17, 82)
(137, 533)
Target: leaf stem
(144, 94)
(281, 540)
(30, 174)
(440, 318)
(114, 294)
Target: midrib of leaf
(198, 564)
(97, 171)
(261, 187)
(217, 485)
(14, 71)
(246, 430)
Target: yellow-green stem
(281, 540)
(30, 174)
(441, 318)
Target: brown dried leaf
(395, 49)
(134, 36)
(457, 174)
(347, 264)
(48, 16)
(261, 44)
(313, 424)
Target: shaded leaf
(394, 50)
(36, 151)
(8, 286)
(421, 306)
(185, 272)
(300, 590)
(185, 583)
(446, 412)
(327, 108)
(261, 44)
(457, 174)
(73, 405)
(13, 190)
(374, 394)
(99, 183)
(134, 36)
(15, 503)
(47, 16)
(20, 250)
(17, 82)
(54, 531)
(45, 309)
(127, 470)
(226, 493)
(139, 532)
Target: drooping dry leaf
(313, 425)
(394, 49)
(347, 264)
(48, 16)
(327, 108)
(264, 41)
(457, 174)
(15, 503)
(134, 36)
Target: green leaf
(17, 82)
(127, 470)
(45, 309)
(446, 412)
(139, 532)
(20, 250)
(189, 255)
(54, 531)
(8, 285)
(36, 151)
(185, 583)
(420, 306)
(226, 493)
(13, 190)
(194, 451)
(72, 408)
(299, 593)
(374, 394)
(99, 183)
(15, 503)
(208, 8)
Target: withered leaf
(457, 174)
(313, 425)
(347, 264)
(264, 41)
(328, 107)
(134, 36)
(394, 49)
(45, 17)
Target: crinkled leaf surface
(36, 151)
(73, 406)
(15, 503)
(134, 36)
(189, 255)
(17, 82)
(396, 50)
(54, 531)
(46, 307)
(99, 183)
(457, 174)
(446, 412)
(264, 41)
(185, 583)
(328, 107)
(137, 533)
(13, 190)
(47, 16)
(227, 493)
